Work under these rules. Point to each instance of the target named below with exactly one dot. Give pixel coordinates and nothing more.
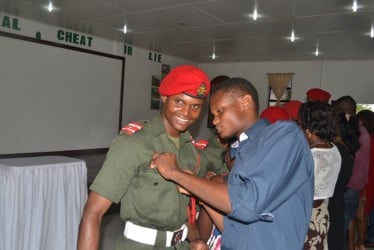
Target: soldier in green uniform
(154, 212)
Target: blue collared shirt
(271, 189)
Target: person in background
(267, 199)
(319, 125)
(347, 144)
(154, 211)
(366, 117)
(317, 94)
(292, 108)
(359, 178)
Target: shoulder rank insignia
(200, 144)
(131, 128)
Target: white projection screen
(56, 97)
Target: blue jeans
(370, 232)
(351, 199)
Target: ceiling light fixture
(354, 5)
(372, 32)
(214, 56)
(292, 38)
(255, 15)
(50, 7)
(214, 53)
(317, 50)
(124, 29)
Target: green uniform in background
(147, 199)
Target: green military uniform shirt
(147, 199)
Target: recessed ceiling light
(214, 53)
(372, 32)
(354, 6)
(254, 16)
(124, 29)
(50, 7)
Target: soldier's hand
(165, 163)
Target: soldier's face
(179, 112)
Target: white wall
(137, 90)
(337, 77)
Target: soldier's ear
(164, 98)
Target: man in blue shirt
(267, 199)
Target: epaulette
(132, 128)
(200, 144)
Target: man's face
(228, 111)
(179, 112)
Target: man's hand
(166, 164)
(198, 245)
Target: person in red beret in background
(292, 108)
(154, 210)
(316, 94)
(274, 113)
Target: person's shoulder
(133, 128)
(281, 127)
(284, 132)
(131, 132)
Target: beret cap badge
(201, 91)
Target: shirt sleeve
(119, 168)
(268, 171)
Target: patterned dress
(318, 228)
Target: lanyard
(192, 205)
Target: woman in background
(347, 143)
(318, 121)
(366, 117)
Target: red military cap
(317, 94)
(186, 79)
(292, 108)
(274, 113)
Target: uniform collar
(159, 129)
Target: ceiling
(194, 29)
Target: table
(41, 202)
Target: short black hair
(346, 104)
(319, 117)
(239, 86)
(349, 132)
(367, 118)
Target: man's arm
(89, 229)
(215, 216)
(211, 192)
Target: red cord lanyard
(192, 205)
(192, 210)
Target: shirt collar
(253, 130)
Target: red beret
(292, 108)
(274, 113)
(316, 94)
(185, 79)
